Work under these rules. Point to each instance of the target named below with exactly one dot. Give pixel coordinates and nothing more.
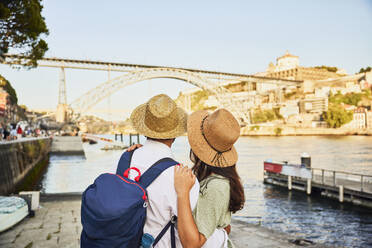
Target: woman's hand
(188, 232)
(134, 147)
(228, 229)
(184, 179)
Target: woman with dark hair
(211, 138)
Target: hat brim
(138, 122)
(200, 146)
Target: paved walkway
(57, 224)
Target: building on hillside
(359, 119)
(304, 73)
(285, 62)
(246, 100)
(319, 124)
(7, 110)
(185, 98)
(288, 67)
(369, 119)
(350, 87)
(366, 81)
(316, 105)
(4, 101)
(289, 109)
(322, 92)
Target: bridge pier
(61, 113)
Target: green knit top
(212, 209)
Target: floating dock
(342, 186)
(67, 145)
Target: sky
(230, 36)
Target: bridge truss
(210, 81)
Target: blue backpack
(113, 209)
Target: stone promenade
(57, 224)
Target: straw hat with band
(159, 118)
(212, 137)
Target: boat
(12, 210)
(285, 168)
(114, 147)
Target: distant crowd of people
(15, 131)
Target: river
(318, 219)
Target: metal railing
(353, 181)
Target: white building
(289, 110)
(314, 105)
(287, 62)
(369, 119)
(359, 119)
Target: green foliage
(21, 28)
(198, 100)
(367, 93)
(29, 245)
(278, 131)
(367, 69)
(261, 116)
(42, 144)
(254, 128)
(350, 98)
(8, 88)
(328, 68)
(336, 116)
(31, 150)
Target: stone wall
(22, 163)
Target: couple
(203, 210)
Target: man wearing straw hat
(161, 121)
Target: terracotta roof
(360, 110)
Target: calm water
(318, 219)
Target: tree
(8, 88)
(278, 131)
(328, 68)
(349, 98)
(367, 69)
(336, 116)
(260, 116)
(21, 28)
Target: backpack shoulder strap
(124, 162)
(155, 170)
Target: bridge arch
(96, 95)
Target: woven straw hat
(212, 137)
(159, 118)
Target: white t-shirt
(162, 195)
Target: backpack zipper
(144, 197)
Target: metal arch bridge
(94, 96)
(211, 81)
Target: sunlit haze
(229, 36)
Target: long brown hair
(203, 170)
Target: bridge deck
(115, 66)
